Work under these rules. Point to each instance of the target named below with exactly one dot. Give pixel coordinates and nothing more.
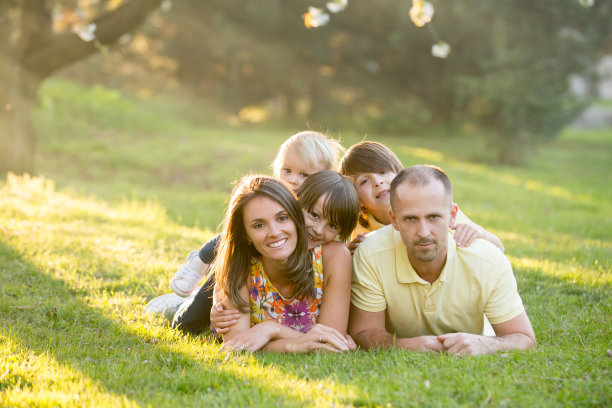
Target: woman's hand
(222, 319)
(323, 338)
(352, 246)
(253, 339)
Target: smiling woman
(265, 270)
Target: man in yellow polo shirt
(413, 288)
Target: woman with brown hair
(290, 299)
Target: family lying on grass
(416, 273)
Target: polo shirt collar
(404, 270)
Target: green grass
(128, 187)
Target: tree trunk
(37, 54)
(17, 137)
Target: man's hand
(422, 343)
(466, 344)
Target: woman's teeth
(277, 243)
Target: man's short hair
(421, 175)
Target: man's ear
(454, 210)
(393, 219)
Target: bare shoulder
(334, 249)
(336, 261)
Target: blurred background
(517, 72)
(134, 117)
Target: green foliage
(516, 82)
(84, 247)
(371, 69)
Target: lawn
(127, 187)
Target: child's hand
(222, 319)
(465, 234)
(352, 246)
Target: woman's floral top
(268, 304)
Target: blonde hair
(315, 148)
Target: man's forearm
(379, 338)
(472, 344)
(514, 341)
(374, 338)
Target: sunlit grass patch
(124, 197)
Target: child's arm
(337, 269)
(222, 319)
(466, 232)
(352, 246)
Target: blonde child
(372, 166)
(299, 156)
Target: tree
(31, 50)
(371, 68)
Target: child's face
(373, 189)
(320, 230)
(294, 169)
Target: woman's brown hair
(235, 256)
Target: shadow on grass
(44, 315)
(47, 317)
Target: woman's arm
(241, 336)
(270, 335)
(318, 337)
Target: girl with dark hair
(289, 299)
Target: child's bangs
(341, 211)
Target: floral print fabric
(268, 304)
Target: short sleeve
(504, 302)
(366, 288)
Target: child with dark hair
(372, 166)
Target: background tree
(32, 48)
(370, 69)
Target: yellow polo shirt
(475, 282)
